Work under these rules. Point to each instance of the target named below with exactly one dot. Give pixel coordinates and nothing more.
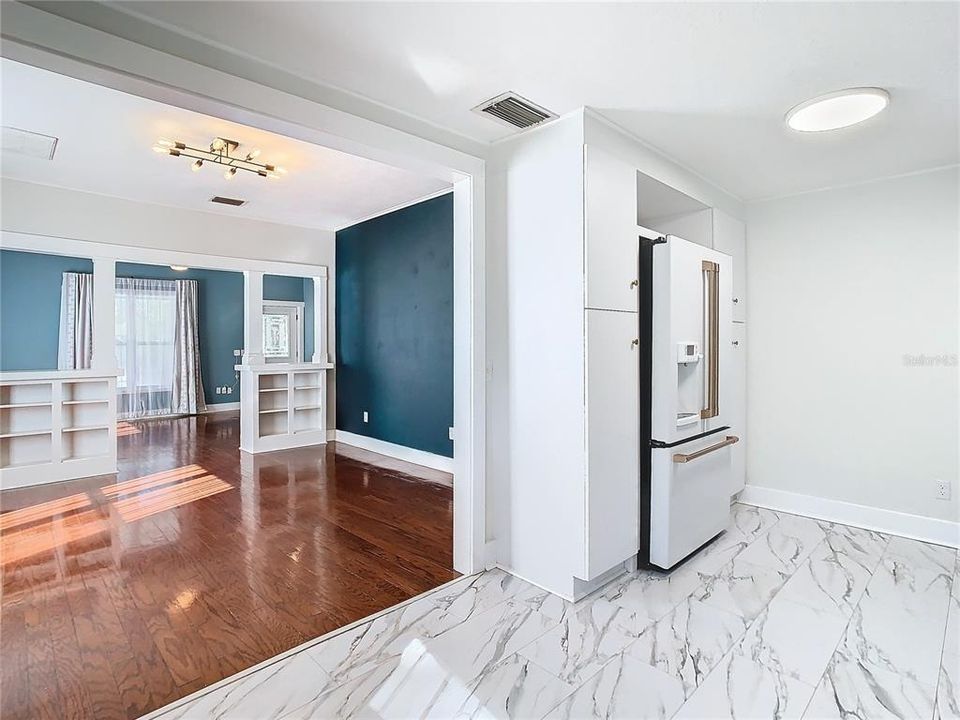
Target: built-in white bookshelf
(282, 406)
(56, 425)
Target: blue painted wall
(30, 307)
(394, 326)
(30, 312)
(220, 317)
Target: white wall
(843, 284)
(58, 212)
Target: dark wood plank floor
(122, 595)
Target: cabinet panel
(738, 415)
(730, 237)
(610, 232)
(612, 398)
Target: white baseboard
(917, 527)
(220, 407)
(417, 457)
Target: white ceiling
(105, 141)
(708, 84)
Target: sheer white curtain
(146, 317)
(75, 349)
(157, 342)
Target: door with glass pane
(283, 332)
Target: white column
(252, 317)
(321, 314)
(104, 316)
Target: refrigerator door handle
(687, 457)
(711, 273)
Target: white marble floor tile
(624, 688)
(852, 691)
(746, 690)
(895, 640)
(796, 640)
(587, 638)
(750, 520)
(948, 689)
(719, 553)
(477, 645)
(689, 642)
(835, 575)
(742, 588)
(420, 685)
(866, 547)
(915, 576)
(785, 545)
(268, 693)
(357, 651)
(653, 593)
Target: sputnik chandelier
(221, 152)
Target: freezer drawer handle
(685, 458)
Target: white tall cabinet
(563, 355)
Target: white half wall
(848, 288)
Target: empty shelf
(84, 402)
(309, 407)
(273, 410)
(81, 428)
(25, 405)
(269, 390)
(25, 433)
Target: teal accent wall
(30, 312)
(394, 326)
(220, 317)
(30, 307)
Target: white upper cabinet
(611, 238)
(730, 237)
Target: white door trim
(53, 43)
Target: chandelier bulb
(228, 175)
(197, 165)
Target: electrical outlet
(943, 489)
(229, 389)
(366, 416)
(237, 353)
(450, 433)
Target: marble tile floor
(782, 617)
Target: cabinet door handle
(736, 342)
(736, 300)
(635, 342)
(636, 284)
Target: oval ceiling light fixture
(838, 109)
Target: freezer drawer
(689, 496)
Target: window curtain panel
(187, 394)
(75, 348)
(145, 313)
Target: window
(146, 317)
(283, 332)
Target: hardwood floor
(122, 595)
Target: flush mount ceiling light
(838, 109)
(221, 152)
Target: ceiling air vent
(24, 142)
(227, 201)
(513, 110)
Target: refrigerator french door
(685, 463)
